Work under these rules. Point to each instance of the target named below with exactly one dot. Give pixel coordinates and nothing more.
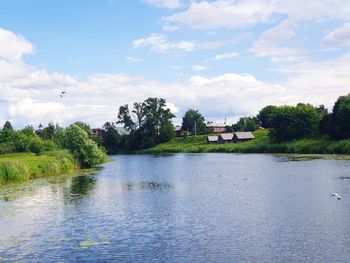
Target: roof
(177, 128)
(226, 136)
(122, 131)
(213, 138)
(212, 125)
(244, 135)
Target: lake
(183, 208)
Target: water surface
(182, 208)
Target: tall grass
(25, 166)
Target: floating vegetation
(14, 241)
(61, 239)
(55, 248)
(300, 158)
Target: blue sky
(227, 58)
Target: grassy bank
(261, 144)
(20, 167)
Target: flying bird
(336, 195)
(62, 93)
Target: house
(242, 136)
(217, 127)
(180, 132)
(96, 133)
(212, 139)
(39, 130)
(226, 138)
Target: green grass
(261, 144)
(24, 166)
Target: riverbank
(261, 144)
(21, 167)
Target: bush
(84, 149)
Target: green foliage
(340, 118)
(7, 126)
(261, 144)
(23, 166)
(124, 117)
(84, 149)
(84, 126)
(13, 171)
(291, 122)
(152, 123)
(245, 124)
(193, 120)
(265, 116)
(48, 133)
(111, 139)
(23, 140)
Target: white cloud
(226, 55)
(31, 95)
(160, 43)
(133, 59)
(12, 46)
(339, 36)
(199, 68)
(233, 14)
(223, 14)
(171, 4)
(170, 28)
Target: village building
(96, 133)
(217, 127)
(212, 139)
(179, 132)
(39, 130)
(225, 138)
(242, 136)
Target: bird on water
(336, 195)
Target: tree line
(75, 138)
(150, 123)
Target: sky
(225, 58)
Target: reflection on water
(182, 208)
(146, 185)
(82, 185)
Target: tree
(292, 122)
(28, 131)
(84, 149)
(245, 124)
(149, 123)
(111, 139)
(340, 118)
(124, 118)
(48, 132)
(7, 126)
(84, 126)
(193, 121)
(265, 115)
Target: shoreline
(23, 167)
(261, 144)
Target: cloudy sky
(227, 58)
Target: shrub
(85, 150)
